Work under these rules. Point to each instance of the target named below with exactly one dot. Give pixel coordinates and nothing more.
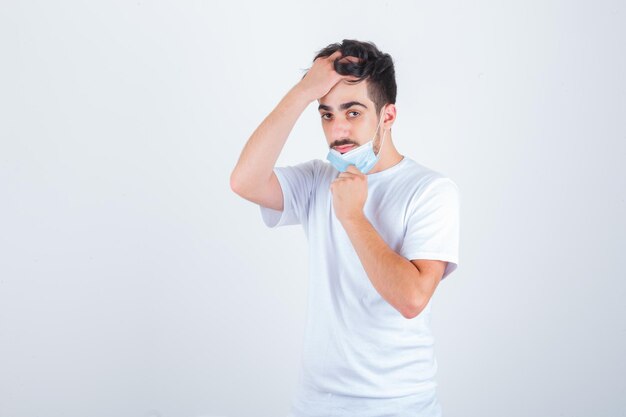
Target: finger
(350, 78)
(334, 55)
(350, 58)
(353, 170)
(345, 175)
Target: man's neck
(388, 158)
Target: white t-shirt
(361, 357)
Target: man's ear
(389, 117)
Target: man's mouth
(343, 148)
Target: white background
(133, 282)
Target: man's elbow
(410, 312)
(236, 185)
(412, 308)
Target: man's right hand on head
(322, 77)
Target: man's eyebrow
(324, 107)
(343, 106)
(349, 104)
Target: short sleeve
(432, 229)
(297, 183)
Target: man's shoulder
(315, 173)
(312, 165)
(420, 175)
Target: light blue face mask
(362, 157)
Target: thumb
(353, 170)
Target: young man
(383, 231)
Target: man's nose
(340, 129)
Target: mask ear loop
(384, 134)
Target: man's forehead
(344, 95)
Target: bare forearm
(261, 152)
(394, 277)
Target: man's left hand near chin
(349, 191)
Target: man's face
(349, 117)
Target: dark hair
(374, 66)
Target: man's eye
(326, 116)
(354, 113)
